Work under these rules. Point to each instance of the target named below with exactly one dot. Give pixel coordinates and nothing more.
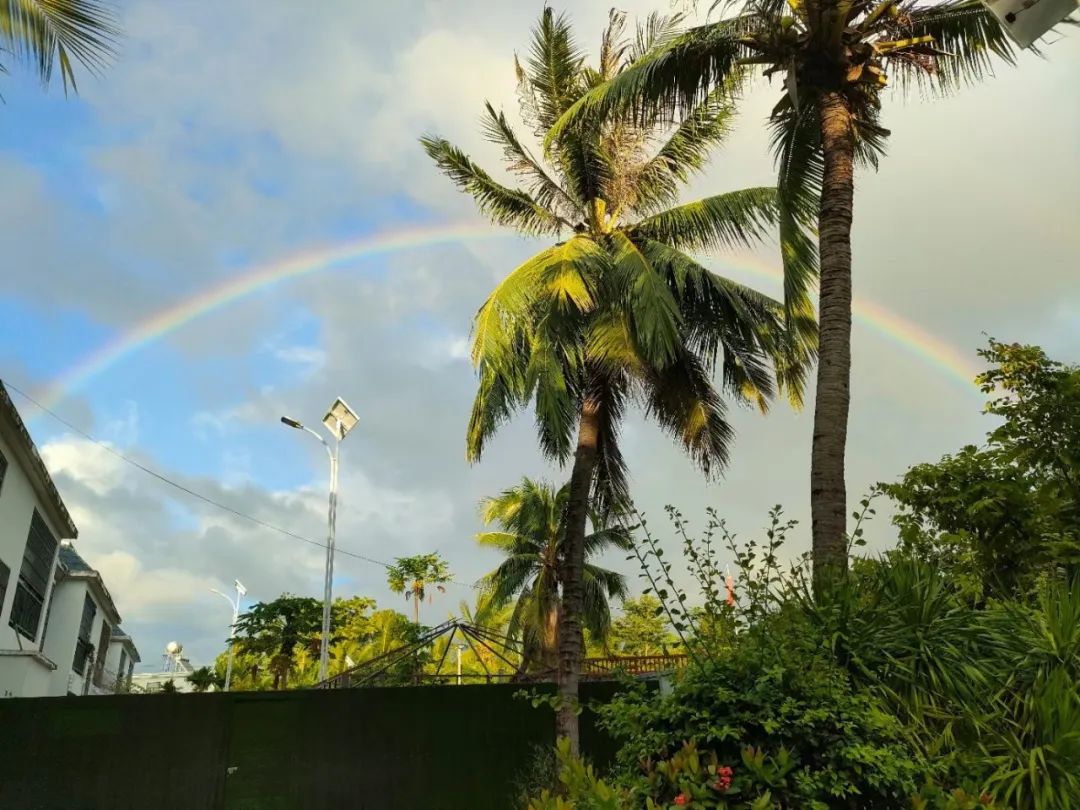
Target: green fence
(416, 748)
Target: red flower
(681, 799)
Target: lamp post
(339, 420)
(460, 648)
(235, 605)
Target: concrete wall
(17, 504)
(25, 674)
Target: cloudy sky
(234, 136)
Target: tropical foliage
(51, 34)
(619, 311)
(835, 60)
(889, 686)
(530, 532)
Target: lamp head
(285, 420)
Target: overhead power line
(198, 495)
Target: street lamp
(235, 605)
(339, 420)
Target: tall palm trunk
(571, 641)
(828, 493)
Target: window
(5, 575)
(3, 470)
(34, 576)
(103, 653)
(83, 646)
(120, 673)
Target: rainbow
(897, 329)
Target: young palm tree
(835, 56)
(531, 533)
(618, 311)
(46, 33)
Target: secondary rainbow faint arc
(898, 329)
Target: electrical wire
(198, 495)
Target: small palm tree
(835, 57)
(412, 576)
(47, 33)
(530, 520)
(619, 312)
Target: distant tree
(413, 575)
(47, 33)
(276, 628)
(994, 517)
(530, 532)
(203, 679)
(642, 629)
(168, 687)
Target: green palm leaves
(47, 33)
(528, 529)
(618, 310)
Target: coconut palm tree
(47, 33)
(530, 521)
(835, 57)
(618, 311)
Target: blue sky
(229, 135)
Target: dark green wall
(413, 748)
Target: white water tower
(171, 661)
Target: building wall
(63, 633)
(25, 674)
(112, 663)
(17, 504)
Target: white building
(59, 629)
(33, 520)
(175, 669)
(81, 624)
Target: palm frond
(504, 206)
(46, 33)
(737, 219)
(796, 146)
(495, 402)
(676, 76)
(654, 314)
(687, 150)
(682, 400)
(552, 71)
(543, 188)
(968, 33)
(611, 487)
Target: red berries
(723, 777)
(681, 799)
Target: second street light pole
(339, 420)
(235, 605)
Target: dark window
(5, 575)
(103, 653)
(33, 578)
(83, 646)
(3, 470)
(123, 665)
